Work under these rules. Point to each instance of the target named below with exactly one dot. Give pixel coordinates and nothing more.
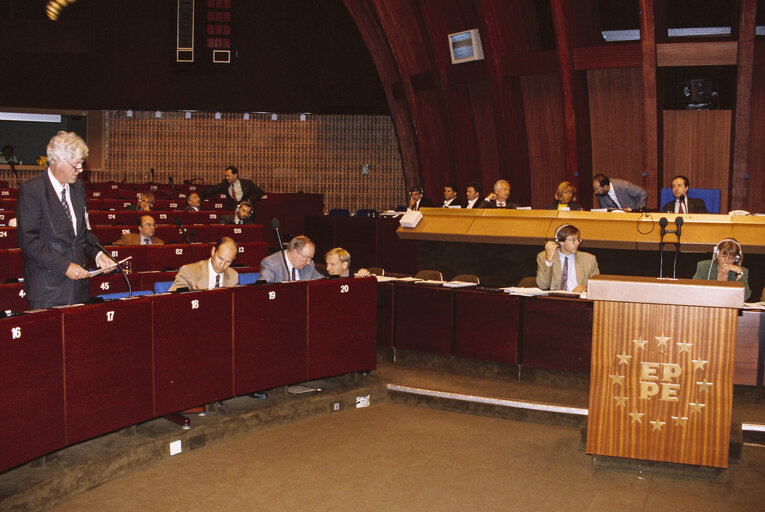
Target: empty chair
(467, 278)
(340, 212)
(248, 278)
(366, 213)
(528, 282)
(429, 275)
(376, 271)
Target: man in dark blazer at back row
(53, 228)
(682, 203)
(235, 189)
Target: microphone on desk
(275, 225)
(91, 240)
(678, 227)
(182, 231)
(663, 224)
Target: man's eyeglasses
(305, 258)
(77, 168)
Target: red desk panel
(115, 218)
(3, 265)
(386, 293)
(264, 211)
(107, 234)
(424, 318)
(241, 233)
(149, 278)
(172, 257)
(357, 236)
(193, 349)
(251, 254)
(171, 234)
(165, 216)
(8, 193)
(32, 384)
(486, 326)
(108, 367)
(269, 336)
(13, 298)
(342, 326)
(557, 333)
(8, 238)
(6, 215)
(113, 282)
(393, 253)
(138, 252)
(16, 260)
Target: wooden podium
(661, 379)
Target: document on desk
(526, 292)
(458, 284)
(110, 267)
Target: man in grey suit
(53, 228)
(618, 194)
(292, 264)
(561, 266)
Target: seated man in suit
(500, 198)
(561, 266)
(417, 199)
(145, 235)
(235, 189)
(339, 264)
(193, 202)
(212, 273)
(682, 203)
(145, 202)
(243, 214)
(450, 196)
(618, 194)
(473, 194)
(292, 264)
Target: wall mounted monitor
(465, 46)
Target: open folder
(110, 267)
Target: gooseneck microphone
(91, 240)
(182, 231)
(678, 227)
(663, 224)
(275, 225)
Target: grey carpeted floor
(396, 457)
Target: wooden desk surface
(608, 230)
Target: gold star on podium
(662, 340)
(637, 416)
(698, 364)
(656, 425)
(624, 359)
(621, 401)
(617, 379)
(696, 407)
(684, 347)
(640, 343)
(704, 386)
(679, 421)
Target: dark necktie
(147, 241)
(233, 193)
(564, 274)
(500, 204)
(294, 274)
(217, 280)
(65, 204)
(682, 207)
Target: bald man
(211, 273)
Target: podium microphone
(678, 227)
(663, 224)
(182, 231)
(275, 225)
(91, 239)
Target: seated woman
(564, 197)
(725, 265)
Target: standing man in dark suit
(500, 198)
(235, 189)
(417, 199)
(450, 196)
(53, 228)
(682, 203)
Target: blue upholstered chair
(711, 197)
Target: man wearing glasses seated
(292, 264)
(561, 266)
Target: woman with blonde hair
(565, 197)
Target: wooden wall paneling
(616, 124)
(651, 127)
(741, 127)
(756, 168)
(570, 26)
(404, 28)
(717, 53)
(371, 30)
(544, 128)
(601, 57)
(697, 144)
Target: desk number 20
(343, 288)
